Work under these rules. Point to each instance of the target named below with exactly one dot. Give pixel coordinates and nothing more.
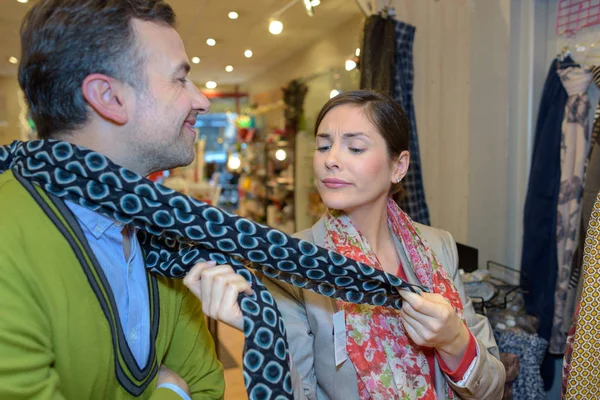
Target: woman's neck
(372, 222)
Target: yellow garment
(583, 380)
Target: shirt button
(133, 335)
(98, 229)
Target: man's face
(165, 110)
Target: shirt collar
(96, 223)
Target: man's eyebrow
(184, 66)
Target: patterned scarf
(581, 366)
(388, 364)
(179, 231)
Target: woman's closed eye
(356, 150)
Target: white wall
(12, 111)
(489, 189)
(462, 68)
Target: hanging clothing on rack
(539, 223)
(591, 188)
(573, 155)
(413, 203)
(386, 66)
(378, 60)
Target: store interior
(476, 77)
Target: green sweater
(59, 331)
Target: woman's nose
(331, 161)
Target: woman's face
(351, 162)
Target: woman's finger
(192, 278)
(413, 329)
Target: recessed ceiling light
(23, 1)
(211, 41)
(229, 68)
(275, 27)
(333, 93)
(233, 15)
(350, 65)
(13, 60)
(315, 3)
(357, 52)
(196, 60)
(248, 53)
(211, 85)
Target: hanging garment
(539, 221)
(573, 155)
(591, 187)
(530, 349)
(177, 231)
(413, 203)
(378, 55)
(581, 368)
(388, 364)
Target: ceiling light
(350, 65)
(248, 53)
(229, 68)
(357, 52)
(13, 60)
(333, 93)
(211, 41)
(281, 155)
(233, 15)
(315, 3)
(196, 60)
(211, 85)
(309, 7)
(275, 27)
(23, 1)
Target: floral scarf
(388, 364)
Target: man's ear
(106, 96)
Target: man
(81, 318)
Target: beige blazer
(308, 319)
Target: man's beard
(165, 155)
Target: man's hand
(165, 375)
(218, 287)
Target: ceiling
(201, 19)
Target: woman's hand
(218, 287)
(431, 321)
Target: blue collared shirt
(127, 279)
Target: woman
(436, 346)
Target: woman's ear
(401, 165)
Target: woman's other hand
(218, 287)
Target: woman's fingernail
(211, 262)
